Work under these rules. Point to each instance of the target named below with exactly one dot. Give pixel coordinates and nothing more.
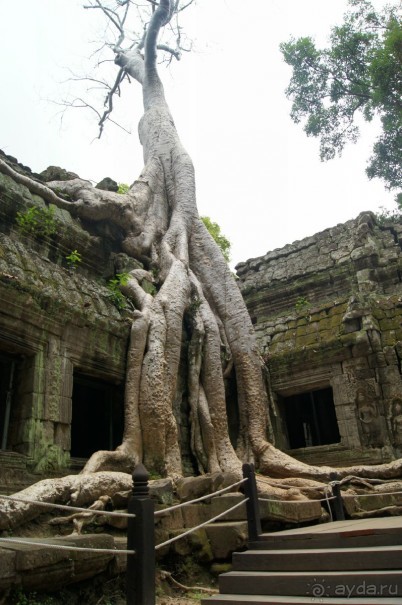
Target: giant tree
(194, 287)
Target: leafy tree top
(359, 73)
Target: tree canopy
(360, 73)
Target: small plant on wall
(73, 259)
(302, 304)
(117, 297)
(38, 222)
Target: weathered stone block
(30, 404)
(222, 503)
(195, 514)
(65, 410)
(190, 488)
(30, 557)
(32, 377)
(389, 375)
(172, 520)
(392, 390)
(181, 546)
(62, 436)
(161, 490)
(161, 535)
(349, 432)
(389, 338)
(201, 546)
(67, 386)
(367, 503)
(389, 323)
(296, 511)
(225, 538)
(49, 569)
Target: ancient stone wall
(327, 311)
(58, 324)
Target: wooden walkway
(355, 562)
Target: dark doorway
(7, 384)
(311, 419)
(97, 416)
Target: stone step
(345, 584)
(376, 557)
(234, 599)
(337, 535)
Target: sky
(257, 173)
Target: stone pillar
(27, 405)
(50, 431)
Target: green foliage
(360, 72)
(386, 216)
(73, 259)
(123, 188)
(31, 598)
(302, 304)
(116, 295)
(215, 231)
(36, 221)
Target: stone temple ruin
(327, 311)
(63, 344)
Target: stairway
(339, 563)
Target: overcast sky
(258, 175)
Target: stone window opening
(97, 416)
(310, 419)
(8, 369)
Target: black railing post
(140, 575)
(252, 507)
(337, 503)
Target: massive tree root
(195, 288)
(77, 490)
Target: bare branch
(115, 89)
(172, 51)
(182, 8)
(151, 16)
(110, 14)
(75, 78)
